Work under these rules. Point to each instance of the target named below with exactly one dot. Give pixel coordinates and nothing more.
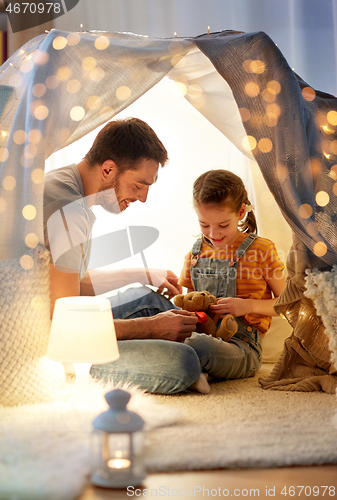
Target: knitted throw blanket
(307, 362)
(322, 289)
(26, 375)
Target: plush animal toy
(199, 303)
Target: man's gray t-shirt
(68, 220)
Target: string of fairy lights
(31, 141)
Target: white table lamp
(82, 332)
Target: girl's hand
(231, 305)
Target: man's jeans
(156, 366)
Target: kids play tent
(60, 86)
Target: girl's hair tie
(249, 208)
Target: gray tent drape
(60, 86)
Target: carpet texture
(241, 425)
(44, 449)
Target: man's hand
(166, 282)
(173, 325)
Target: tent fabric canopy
(66, 84)
(60, 86)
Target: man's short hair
(126, 142)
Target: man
(121, 165)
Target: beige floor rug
(241, 425)
(44, 449)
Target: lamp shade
(82, 331)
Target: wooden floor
(318, 482)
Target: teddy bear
(199, 302)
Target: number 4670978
(33, 8)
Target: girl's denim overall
(242, 355)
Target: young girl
(241, 269)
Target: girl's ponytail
(248, 224)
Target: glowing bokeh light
(26, 66)
(73, 86)
(37, 176)
(308, 93)
(9, 183)
(31, 240)
(273, 87)
(64, 73)
(320, 249)
(332, 117)
(26, 262)
(322, 198)
(77, 113)
(34, 136)
(249, 143)
(102, 43)
(59, 43)
(257, 66)
(305, 211)
(123, 93)
(52, 82)
(41, 112)
(29, 212)
(39, 90)
(19, 136)
(252, 89)
(265, 145)
(273, 109)
(89, 63)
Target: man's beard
(109, 197)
